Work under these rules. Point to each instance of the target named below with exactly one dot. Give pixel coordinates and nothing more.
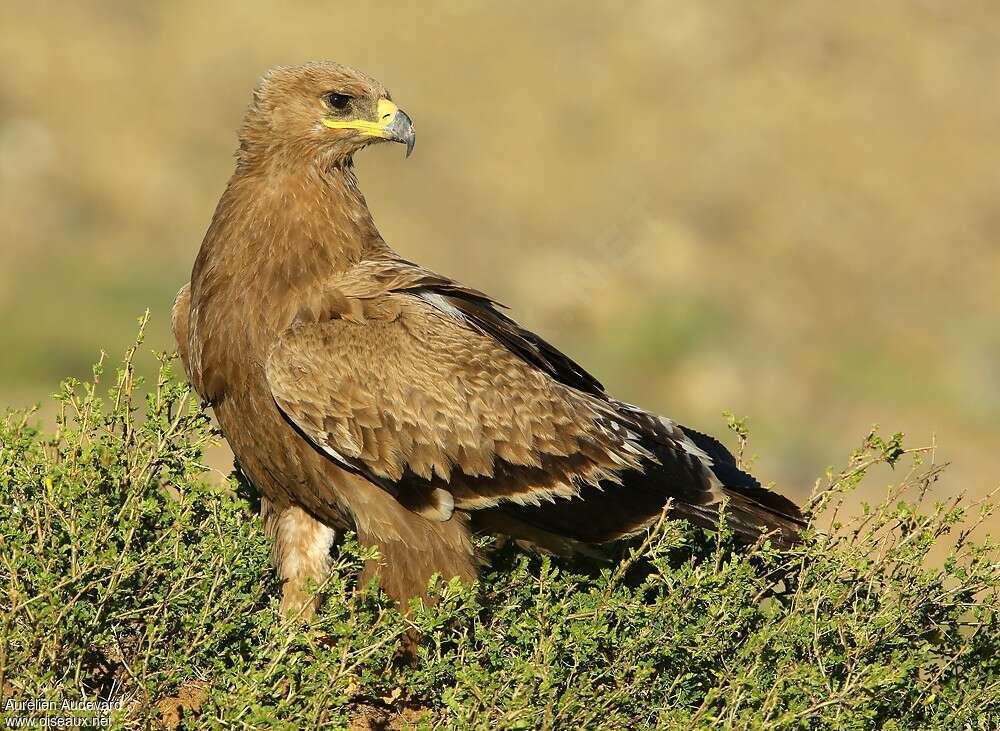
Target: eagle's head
(320, 112)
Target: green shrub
(130, 575)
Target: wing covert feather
(421, 403)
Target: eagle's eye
(338, 102)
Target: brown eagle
(360, 390)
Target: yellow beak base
(393, 124)
(385, 111)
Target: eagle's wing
(432, 394)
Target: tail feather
(751, 506)
(747, 519)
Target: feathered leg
(300, 553)
(412, 548)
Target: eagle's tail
(752, 510)
(748, 519)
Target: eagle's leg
(300, 553)
(412, 549)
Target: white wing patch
(440, 303)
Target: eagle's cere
(357, 389)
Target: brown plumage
(357, 389)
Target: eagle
(359, 390)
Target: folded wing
(447, 404)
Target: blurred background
(785, 210)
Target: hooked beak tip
(401, 130)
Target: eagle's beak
(393, 124)
(401, 130)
